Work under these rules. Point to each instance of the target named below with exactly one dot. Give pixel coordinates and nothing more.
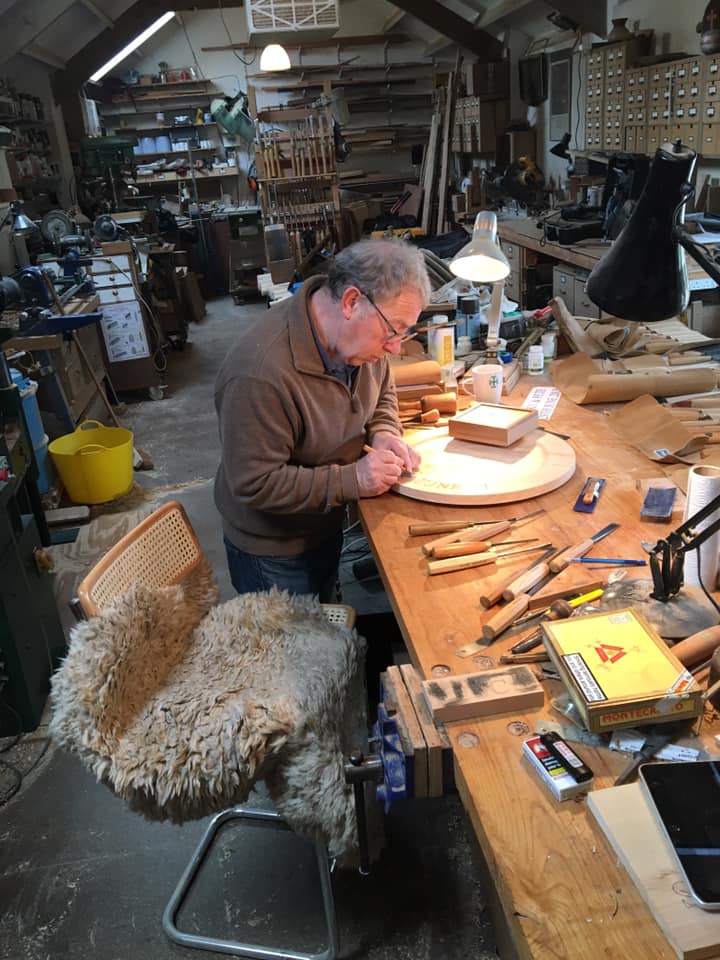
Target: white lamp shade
(274, 57)
(481, 260)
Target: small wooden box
(493, 423)
(619, 672)
(483, 694)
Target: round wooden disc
(460, 473)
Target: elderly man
(299, 395)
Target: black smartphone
(686, 799)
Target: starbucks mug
(484, 382)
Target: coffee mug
(484, 382)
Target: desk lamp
(482, 261)
(644, 277)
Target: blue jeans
(314, 572)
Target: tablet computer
(686, 799)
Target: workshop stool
(163, 550)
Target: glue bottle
(441, 341)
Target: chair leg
(238, 949)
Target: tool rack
(297, 170)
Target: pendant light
(274, 58)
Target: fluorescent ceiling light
(133, 45)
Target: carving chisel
(519, 600)
(476, 532)
(451, 564)
(491, 596)
(464, 548)
(425, 527)
(580, 549)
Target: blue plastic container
(45, 465)
(33, 420)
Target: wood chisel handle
(700, 646)
(505, 617)
(577, 550)
(451, 564)
(425, 527)
(485, 532)
(526, 581)
(461, 548)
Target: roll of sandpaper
(703, 486)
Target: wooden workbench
(556, 888)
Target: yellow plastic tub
(95, 463)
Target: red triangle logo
(609, 653)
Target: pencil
(367, 448)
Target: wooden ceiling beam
(106, 44)
(359, 41)
(24, 23)
(448, 24)
(499, 10)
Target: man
(300, 394)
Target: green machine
(97, 154)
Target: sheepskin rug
(180, 704)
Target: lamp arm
(667, 556)
(698, 253)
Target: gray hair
(380, 268)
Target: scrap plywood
(483, 694)
(636, 837)
(461, 473)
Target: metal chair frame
(162, 550)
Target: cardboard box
(619, 672)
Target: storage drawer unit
(584, 307)
(564, 286)
(513, 282)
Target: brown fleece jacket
(291, 433)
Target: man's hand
(388, 441)
(377, 471)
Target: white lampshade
(481, 260)
(274, 57)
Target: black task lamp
(644, 276)
(561, 148)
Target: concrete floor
(82, 877)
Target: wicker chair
(163, 550)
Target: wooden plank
(445, 153)
(434, 741)
(636, 837)
(428, 179)
(468, 696)
(397, 699)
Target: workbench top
(558, 888)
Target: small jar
(548, 345)
(536, 359)
(464, 345)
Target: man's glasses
(394, 337)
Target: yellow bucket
(95, 463)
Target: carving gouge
(464, 548)
(425, 527)
(580, 549)
(482, 531)
(526, 584)
(452, 564)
